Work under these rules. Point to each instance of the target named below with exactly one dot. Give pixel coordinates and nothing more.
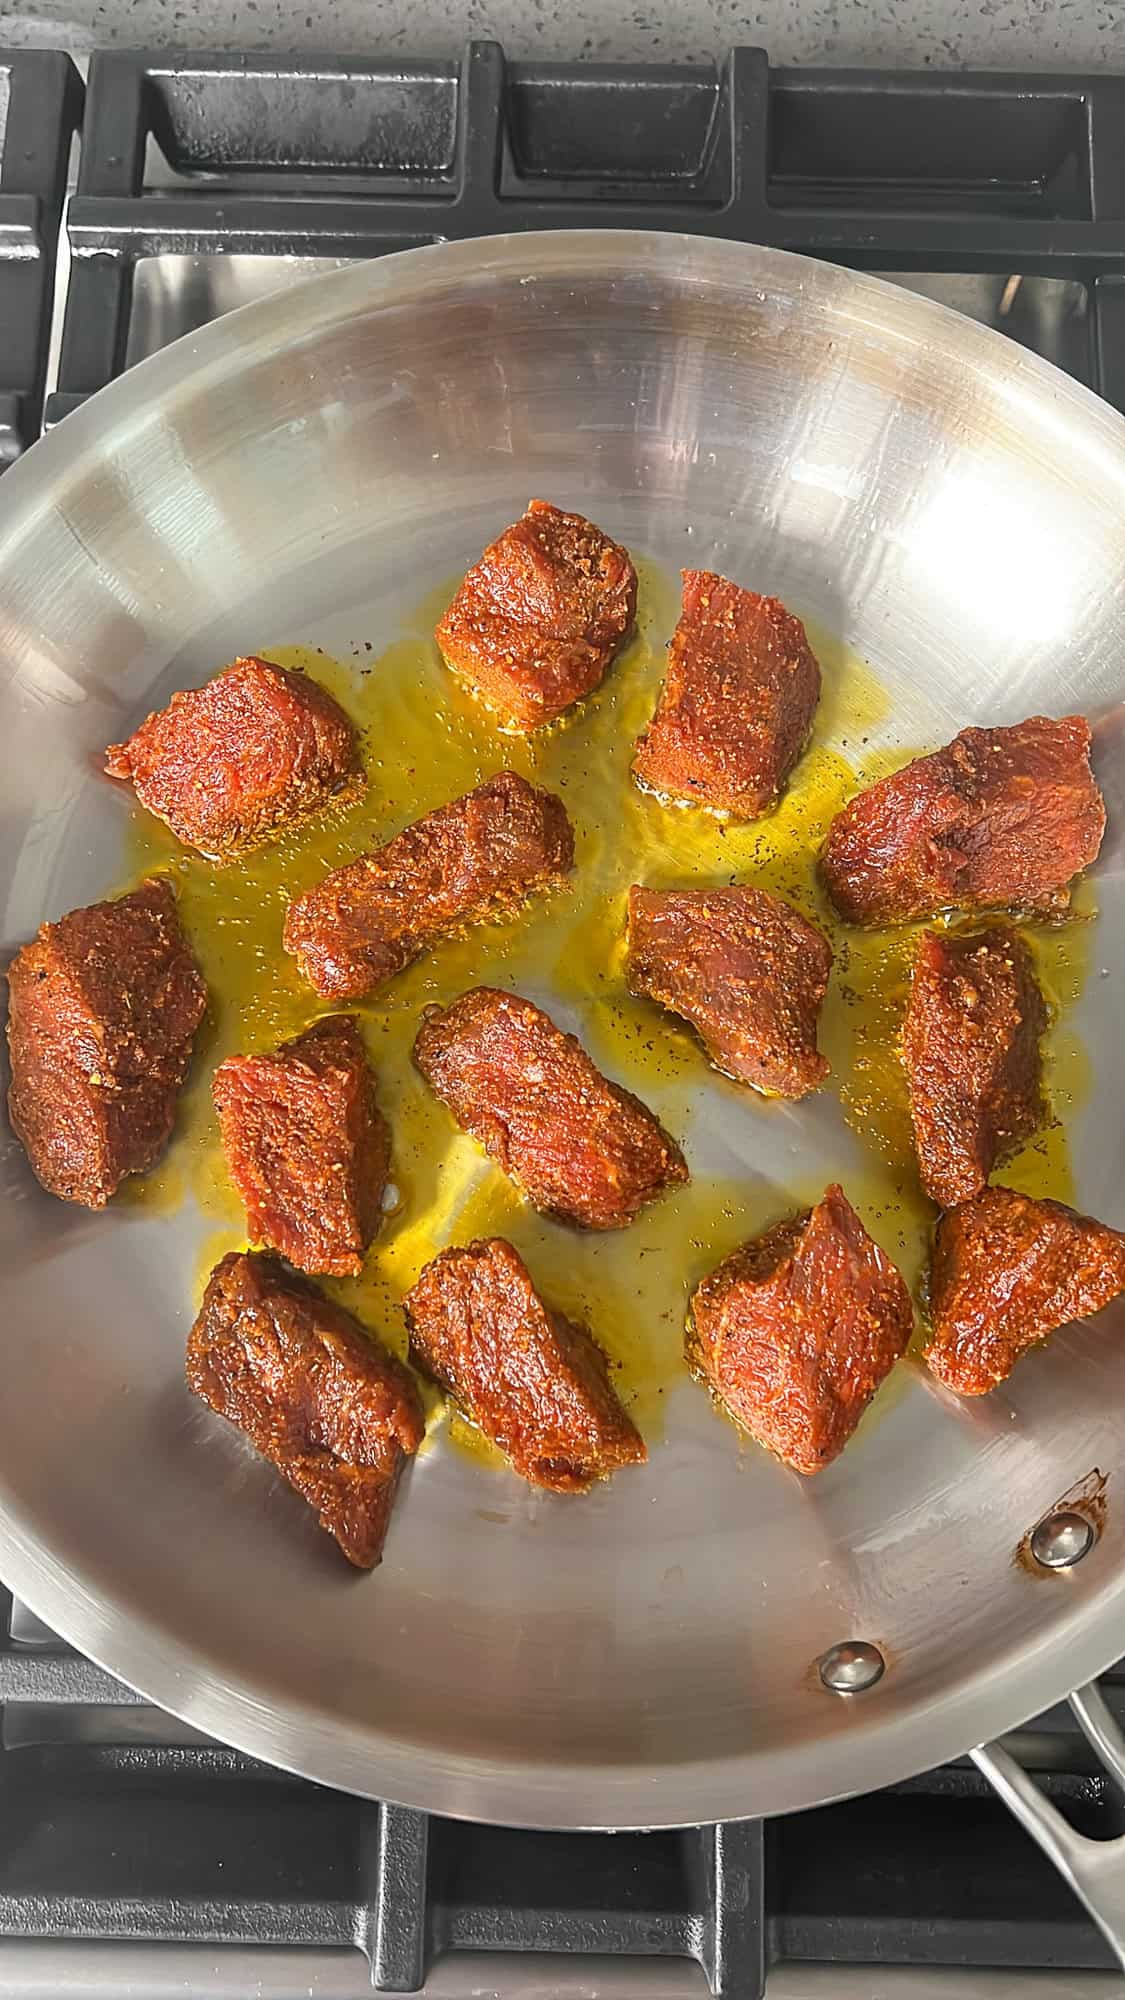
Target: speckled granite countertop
(997, 34)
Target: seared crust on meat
(745, 969)
(240, 760)
(103, 1009)
(1006, 1271)
(1001, 818)
(307, 1146)
(312, 1390)
(533, 1381)
(737, 702)
(796, 1331)
(478, 857)
(970, 1043)
(538, 619)
(579, 1146)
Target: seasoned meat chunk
(103, 1010)
(535, 1383)
(796, 1331)
(1006, 1272)
(237, 761)
(737, 702)
(970, 1042)
(481, 855)
(745, 970)
(312, 1390)
(307, 1146)
(580, 1147)
(538, 619)
(999, 818)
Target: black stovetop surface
(204, 179)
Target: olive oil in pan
(426, 740)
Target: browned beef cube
(483, 854)
(970, 1042)
(312, 1390)
(531, 1380)
(580, 1147)
(1006, 1272)
(307, 1146)
(237, 761)
(796, 1331)
(102, 1014)
(1001, 818)
(745, 969)
(737, 703)
(538, 619)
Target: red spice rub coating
(745, 969)
(534, 1382)
(579, 1146)
(1000, 817)
(735, 709)
(307, 1147)
(237, 761)
(1006, 1272)
(102, 1014)
(970, 1043)
(796, 1331)
(480, 856)
(312, 1390)
(538, 619)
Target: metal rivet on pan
(851, 1667)
(1061, 1540)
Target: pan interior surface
(304, 474)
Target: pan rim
(234, 336)
(508, 1792)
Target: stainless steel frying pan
(650, 1656)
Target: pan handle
(1095, 1869)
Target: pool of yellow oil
(426, 741)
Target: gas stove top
(203, 182)
(136, 1857)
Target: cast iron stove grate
(1013, 187)
(40, 105)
